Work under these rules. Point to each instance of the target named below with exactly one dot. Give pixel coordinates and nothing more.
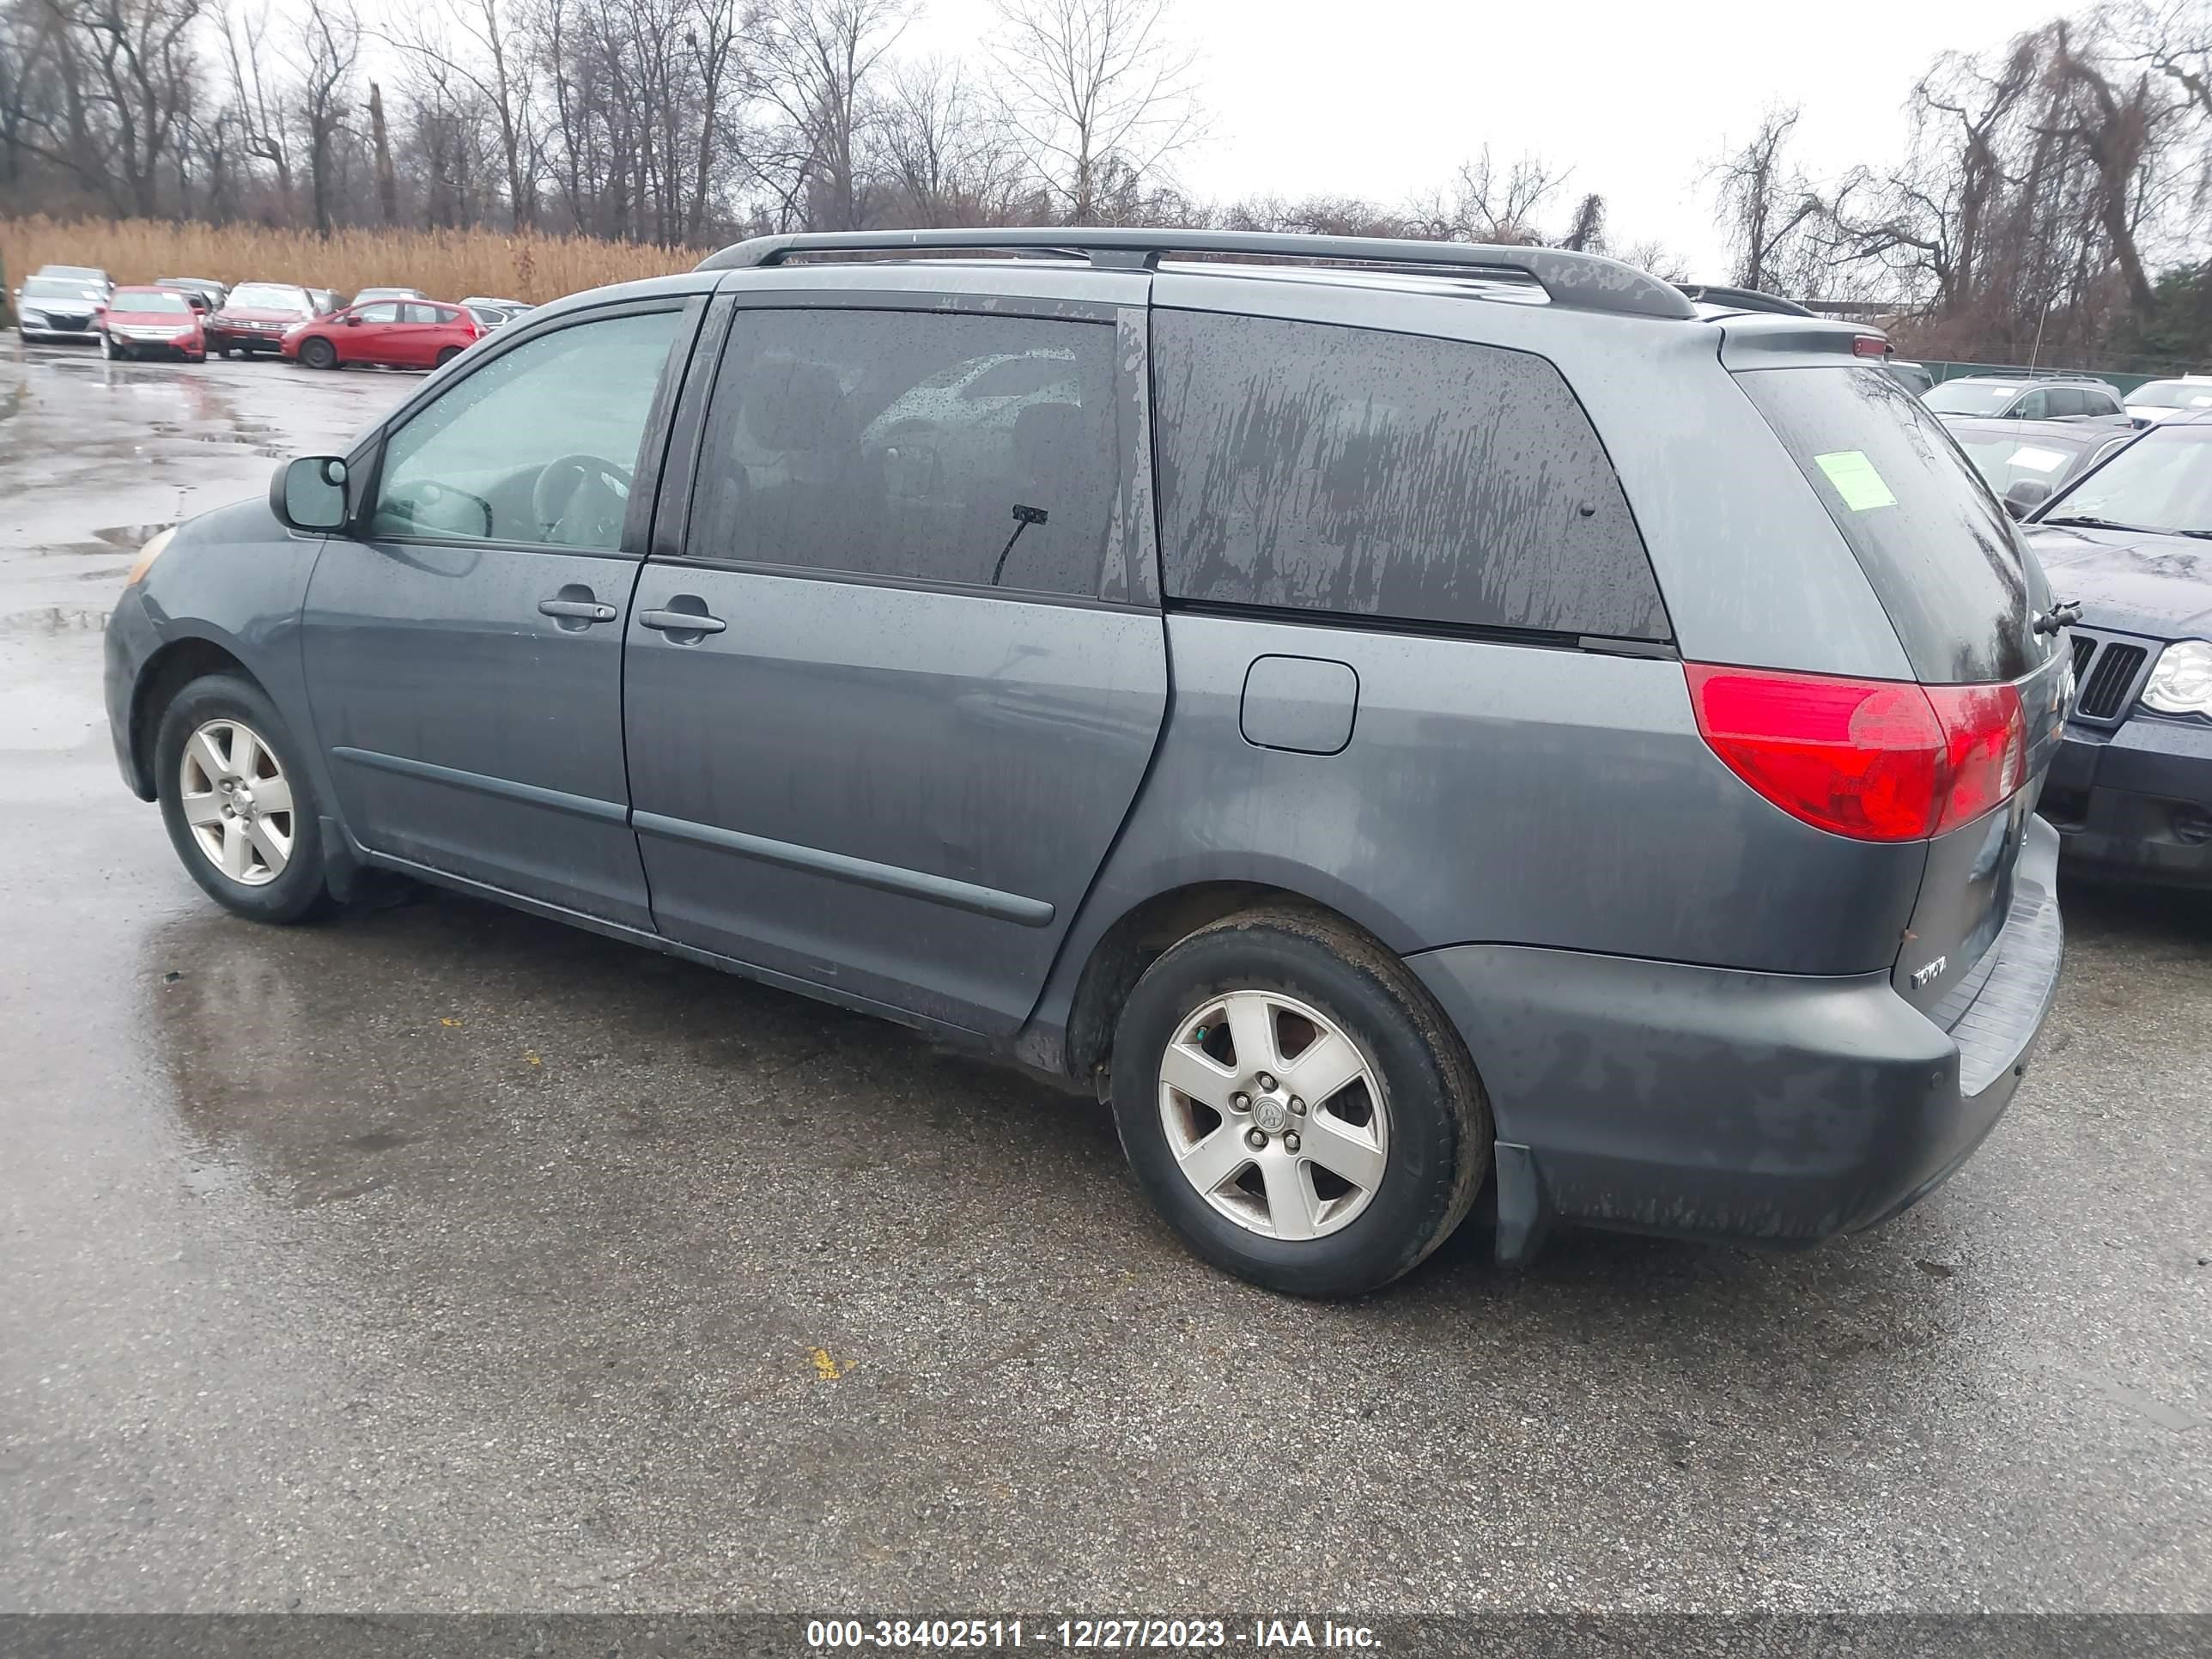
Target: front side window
(2035, 406)
(386, 313)
(1313, 467)
(539, 445)
(975, 451)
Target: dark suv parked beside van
(1312, 697)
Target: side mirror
(2024, 495)
(352, 321)
(310, 493)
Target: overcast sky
(1383, 98)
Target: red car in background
(253, 317)
(143, 322)
(391, 334)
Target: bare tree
(947, 156)
(123, 70)
(1095, 87)
(490, 51)
(1586, 234)
(1767, 209)
(387, 181)
(713, 39)
(264, 122)
(817, 65)
(1489, 202)
(2117, 125)
(330, 43)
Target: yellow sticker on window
(1855, 480)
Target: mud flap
(1523, 1217)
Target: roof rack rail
(2000, 373)
(1584, 280)
(1744, 299)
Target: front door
(463, 651)
(367, 337)
(888, 710)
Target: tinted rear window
(1940, 552)
(1308, 466)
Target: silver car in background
(61, 309)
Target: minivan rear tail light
(1874, 760)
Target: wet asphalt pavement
(441, 1258)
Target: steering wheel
(578, 500)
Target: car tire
(222, 755)
(1388, 1162)
(317, 354)
(446, 355)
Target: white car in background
(2161, 400)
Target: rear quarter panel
(1498, 793)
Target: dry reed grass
(446, 265)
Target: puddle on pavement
(129, 537)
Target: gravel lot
(439, 1258)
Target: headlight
(34, 319)
(2181, 682)
(147, 555)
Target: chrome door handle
(589, 611)
(680, 622)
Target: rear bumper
(1707, 1103)
(2134, 803)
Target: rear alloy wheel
(448, 355)
(1296, 1105)
(1288, 1138)
(319, 354)
(239, 810)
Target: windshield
(266, 296)
(2172, 394)
(147, 299)
(1965, 398)
(2163, 481)
(61, 287)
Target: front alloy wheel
(237, 801)
(1273, 1116)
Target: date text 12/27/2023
(1087, 1635)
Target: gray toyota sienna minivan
(1410, 725)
